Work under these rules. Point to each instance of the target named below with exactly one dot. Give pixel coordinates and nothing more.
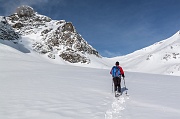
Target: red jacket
(121, 70)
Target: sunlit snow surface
(32, 87)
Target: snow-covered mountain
(54, 38)
(59, 42)
(162, 58)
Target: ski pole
(112, 86)
(125, 85)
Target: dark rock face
(56, 38)
(68, 27)
(6, 31)
(73, 57)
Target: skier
(116, 73)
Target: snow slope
(33, 88)
(160, 58)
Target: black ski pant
(117, 84)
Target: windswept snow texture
(31, 87)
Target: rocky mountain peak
(25, 11)
(56, 38)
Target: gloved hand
(123, 75)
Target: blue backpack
(116, 71)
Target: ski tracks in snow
(117, 107)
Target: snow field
(33, 88)
(39, 94)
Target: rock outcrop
(55, 38)
(6, 31)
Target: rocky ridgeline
(6, 31)
(55, 38)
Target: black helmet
(117, 63)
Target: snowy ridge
(162, 58)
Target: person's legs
(119, 84)
(115, 83)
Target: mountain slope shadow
(14, 44)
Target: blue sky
(112, 27)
